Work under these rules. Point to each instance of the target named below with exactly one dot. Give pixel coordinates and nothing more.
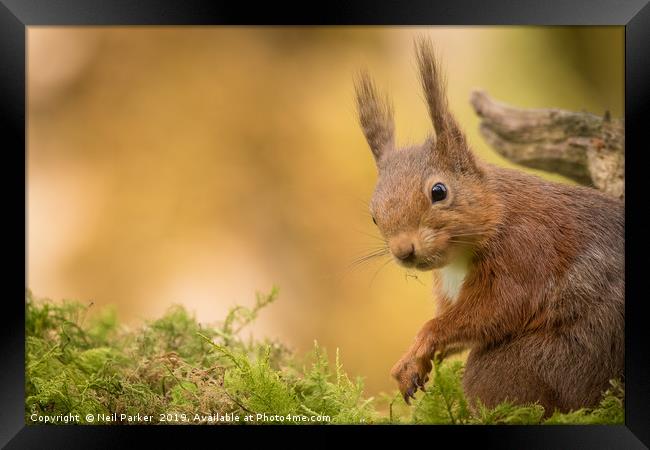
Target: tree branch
(582, 146)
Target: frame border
(17, 15)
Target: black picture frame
(17, 15)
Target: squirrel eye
(438, 192)
(374, 220)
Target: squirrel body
(528, 274)
(551, 282)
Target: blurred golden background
(197, 165)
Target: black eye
(374, 221)
(438, 192)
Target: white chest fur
(452, 276)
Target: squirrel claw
(410, 394)
(424, 382)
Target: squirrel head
(431, 202)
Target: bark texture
(579, 145)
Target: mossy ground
(176, 370)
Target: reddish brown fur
(542, 305)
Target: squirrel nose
(403, 248)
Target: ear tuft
(450, 144)
(375, 116)
(433, 83)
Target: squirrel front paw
(411, 373)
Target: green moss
(181, 371)
(444, 401)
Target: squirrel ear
(450, 144)
(452, 151)
(375, 116)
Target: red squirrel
(528, 274)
